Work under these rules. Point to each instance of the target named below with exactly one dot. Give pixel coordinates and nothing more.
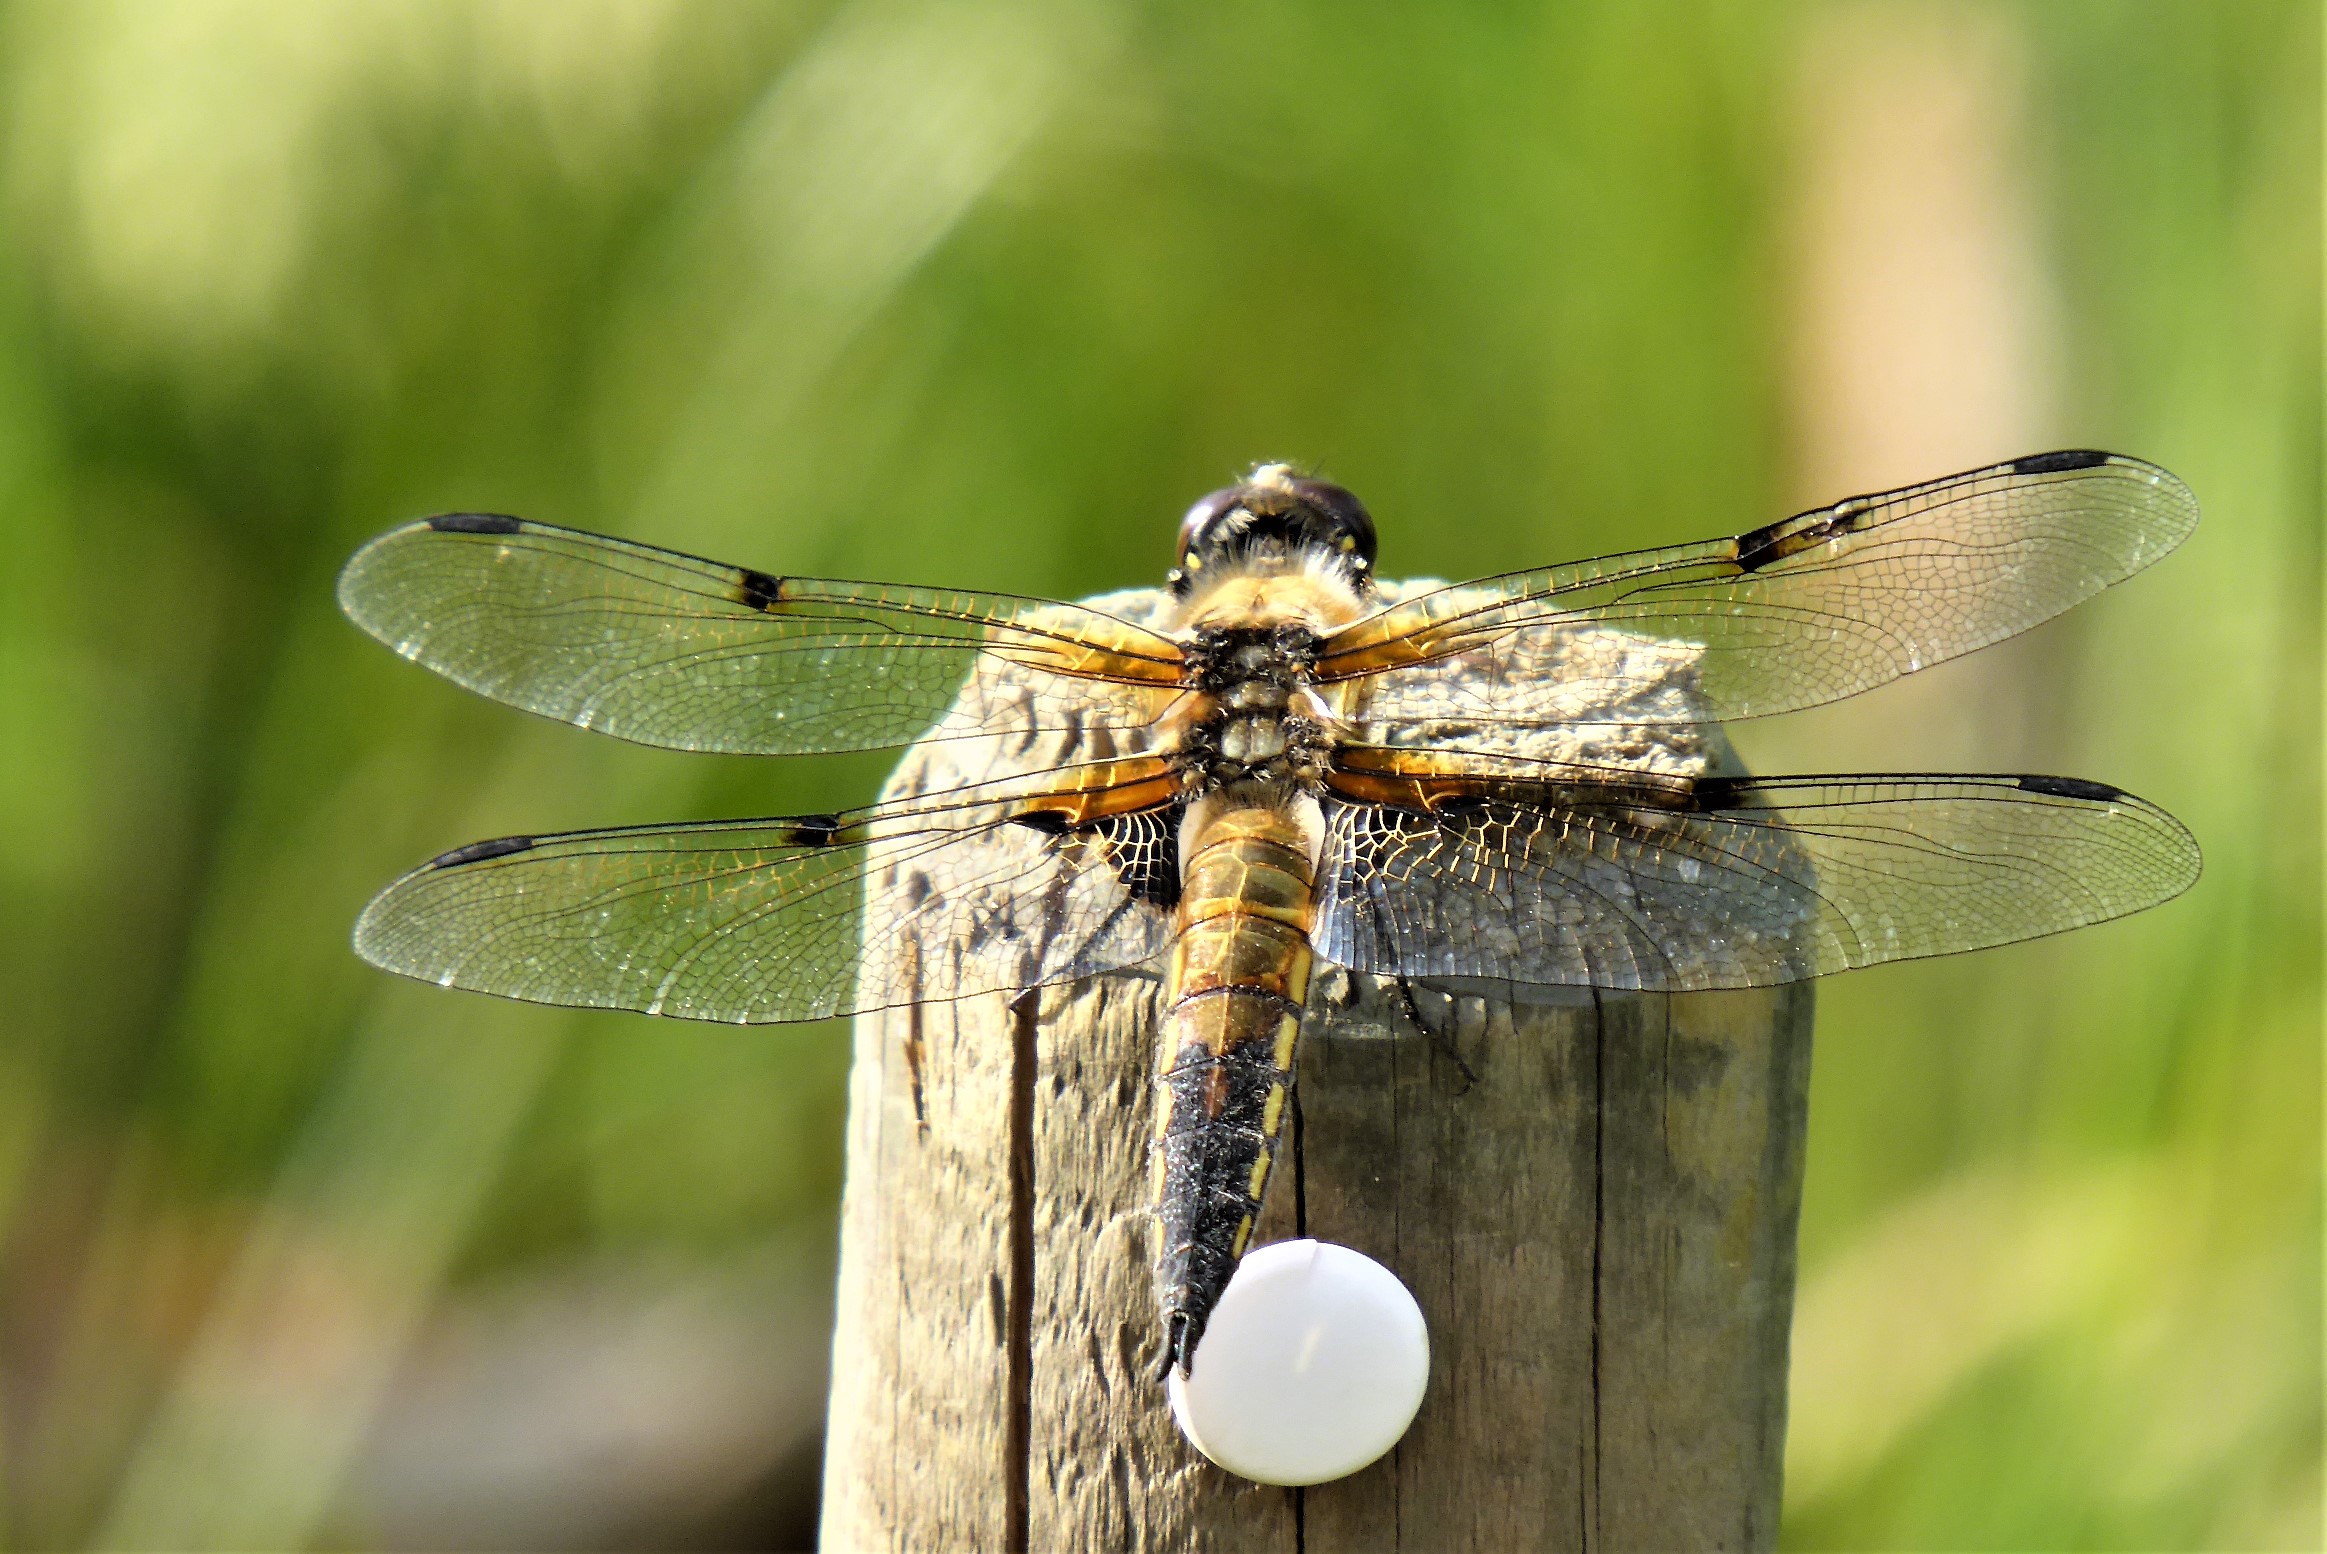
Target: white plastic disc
(1312, 1367)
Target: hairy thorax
(1253, 717)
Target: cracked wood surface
(1600, 1232)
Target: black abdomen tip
(1181, 1334)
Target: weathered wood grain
(1600, 1231)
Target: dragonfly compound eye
(1346, 526)
(1202, 531)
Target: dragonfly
(1278, 759)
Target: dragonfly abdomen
(1239, 975)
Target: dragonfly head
(1275, 520)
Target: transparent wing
(1753, 881)
(666, 649)
(765, 920)
(1816, 607)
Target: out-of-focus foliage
(980, 294)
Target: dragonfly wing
(765, 920)
(1808, 610)
(667, 649)
(1744, 882)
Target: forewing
(1816, 607)
(667, 649)
(1755, 881)
(762, 921)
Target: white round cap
(1312, 1366)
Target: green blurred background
(298, 1255)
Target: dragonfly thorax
(1253, 717)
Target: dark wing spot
(1376, 833)
(1145, 851)
(1711, 793)
(1773, 541)
(476, 523)
(2055, 462)
(2073, 788)
(1758, 548)
(813, 831)
(1142, 848)
(478, 852)
(757, 590)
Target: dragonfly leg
(1440, 1037)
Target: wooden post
(1600, 1231)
